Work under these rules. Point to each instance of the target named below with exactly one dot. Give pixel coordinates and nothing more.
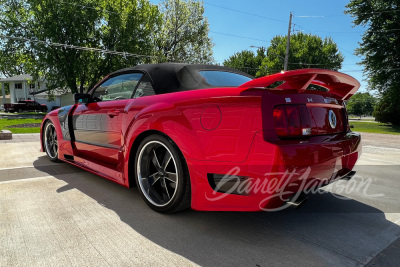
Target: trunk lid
(341, 86)
(294, 109)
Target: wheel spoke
(171, 177)
(48, 134)
(164, 185)
(167, 158)
(155, 161)
(51, 134)
(154, 179)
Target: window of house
(18, 86)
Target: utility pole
(288, 43)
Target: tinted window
(145, 88)
(223, 78)
(117, 88)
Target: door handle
(113, 113)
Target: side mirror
(82, 98)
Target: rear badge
(332, 119)
(288, 100)
(310, 100)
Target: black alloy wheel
(161, 175)
(50, 142)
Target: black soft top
(177, 77)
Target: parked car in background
(1, 107)
(25, 105)
(195, 135)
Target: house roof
(18, 78)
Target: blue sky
(324, 18)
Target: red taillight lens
(292, 121)
(280, 121)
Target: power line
(238, 36)
(243, 12)
(252, 14)
(341, 48)
(388, 69)
(104, 51)
(341, 15)
(380, 31)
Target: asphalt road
(57, 215)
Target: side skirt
(99, 168)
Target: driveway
(56, 215)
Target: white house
(22, 87)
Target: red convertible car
(210, 137)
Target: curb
(5, 135)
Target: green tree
(361, 104)
(120, 25)
(380, 49)
(183, 36)
(387, 109)
(306, 51)
(246, 61)
(12, 62)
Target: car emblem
(310, 100)
(332, 119)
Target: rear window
(223, 78)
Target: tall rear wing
(340, 85)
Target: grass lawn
(359, 126)
(372, 127)
(5, 124)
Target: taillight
(346, 117)
(280, 121)
(292, 121)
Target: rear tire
(161, 175)
(50, 141)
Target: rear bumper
(272, 172)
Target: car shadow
(327, 229)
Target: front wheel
(161, 175)
(50, 142)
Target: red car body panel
(220, 129)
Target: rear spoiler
(340, 85)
